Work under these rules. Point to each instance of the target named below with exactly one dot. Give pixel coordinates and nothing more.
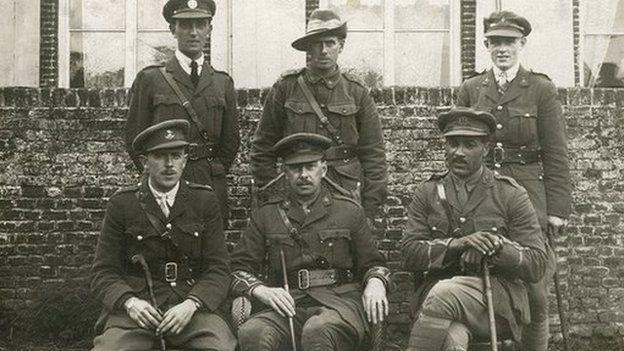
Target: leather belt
(523, 155)
(170, 272)
(197, 151)
(340, 152)
(309, 278)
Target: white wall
(19, 43)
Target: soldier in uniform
(324, 100)
(457, 219)
(336, 274)
(176, 226)
(530, 141)
(211, 110)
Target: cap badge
(463, 121)
(503, 19)
(192, 4)
(169, 135)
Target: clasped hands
(475, 247)
(174, 320)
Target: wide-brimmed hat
(506, 24)
(464, 121)
(164, 135)
(321, 23)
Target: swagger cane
(291, 324)
(490, 305)
(138, 258)
(562, 316)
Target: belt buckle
(191, 150)
(303, 279)
(171, 272)
(498, 154)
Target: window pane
(360, 14)
(604, 61)
(96, 60)
(154, 48)
(421, 14)
(422, 59)
(150, 14)
(604, 16)
(93, 14)
(363, 56)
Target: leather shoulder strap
(185, 102)
(155, 222)
(455, 229)
(333, 132)
(292, 231)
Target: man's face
(305, 178)
(323, 54)
(464, 154)
(192, 35)
(504, 51)
(164, 167)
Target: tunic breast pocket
(142, 239)
(343, 117)
(167, 107)
(301, 118)
(336, 247)
(216, 110)
(189, 239)
(523, 125)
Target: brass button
(462, 219)
(527, 115)
(499, 126)
(497, 165)
(330, 244)
(499, 107)
(434, 228)
(139, 237)
(494, 229)
(168, 226)
(196, 234)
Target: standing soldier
(323, 100)
(455, 221)
(530, 141)
(173, 228)
(188, 87)
(336, 274)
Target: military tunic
(192, 237)
(350, 110)
(152, 100)
(497, 205)
(529, 116)
(335, 229)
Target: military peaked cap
(189, 9)
(301, 148)
(464, 121)
(506, 24)
(164, 135)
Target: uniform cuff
(243, 283)
(380, 272)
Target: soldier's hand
(278, 298)
(484, 242)
(471, 260)
(142, 313)
(177, 317)
(556, 225)
(375, 301)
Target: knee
(321, 333)
(439, 301)
(256, 334)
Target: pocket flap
(298, 107)
(279, 239)
(192, 228)
(491, 225)
(522, 112)
(139, 232)
(335, 234)
(213, 101)
(343, 109)
(160, 99)
(438, 226)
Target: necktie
(503, 83)
(164, 205)
(462, 194)
(194, 75)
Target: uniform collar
(471, 182)
(511, 72)
(170, 196)
(330, 81)
(185, 62)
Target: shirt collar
(471, 182)
(511, 72)
(185, 62)
(169, 195)
(329, 80)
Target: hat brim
(191, 15)
(504, 32)
(452, 133)
(169, 145)
(303, 43)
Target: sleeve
(269, 131)
(139, 115)
(212, 286)
(372, 156)
(553, 140)
(230, 135)
(420, 250)
(463, 96)
(248, 259)
(523, 254)
(107, 271)
(369, 262)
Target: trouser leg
(120, 339)
(266, 331)
(205, 331)
(327, 331)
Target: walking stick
(490, 305)
(562, 316)
(291, 323)
(138, 258)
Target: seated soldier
(329, 253)
(176, 227)
(455, 221)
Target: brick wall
(48, 47)
(468, 34)
(62, 156)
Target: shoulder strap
(333, 132)
(455, 229)
(155, 222)
(185, 102)
(292, 231)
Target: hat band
(505, 25)
(177, 12)
(317, 25)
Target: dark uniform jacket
(334, 229)
(347, 104)
(152, 100)
(498, 205)
(529, 115)
(194, 240)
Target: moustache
(304, 182)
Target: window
(104, 43)
(401, 42)
(602, 48)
